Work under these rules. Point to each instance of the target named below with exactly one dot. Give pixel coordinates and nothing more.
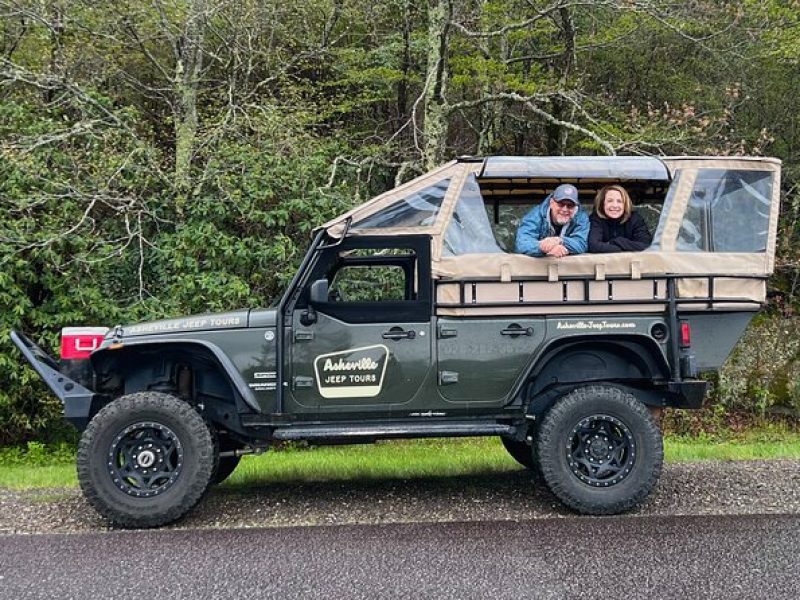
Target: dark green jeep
(411, 317)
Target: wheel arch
(631, 362)
(213, 380)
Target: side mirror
(318, 292)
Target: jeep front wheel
(145, 460)
(600, 450)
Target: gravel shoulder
(704, 488)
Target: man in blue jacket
(557, 227)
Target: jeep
(410, 317)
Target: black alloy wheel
(145, 459)
(599, 450)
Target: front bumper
(77, 400)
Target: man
(557, 227)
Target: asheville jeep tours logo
(353, 373)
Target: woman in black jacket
(614, 226)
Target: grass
(21, 469)
(754, 446)
(391, 459)
(34, 477)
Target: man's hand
(548, 243)
(558, 251)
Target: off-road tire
(142, 429)
(635, 450)
(523, 453)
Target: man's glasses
(566, 204)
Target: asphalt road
(754, 556)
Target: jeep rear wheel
(600, 450)
(145, 460)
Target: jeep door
(481, 360)
(366, 345)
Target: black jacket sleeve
(597, 235)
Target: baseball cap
(566, 191)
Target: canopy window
(728, 211)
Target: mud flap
(687, 394)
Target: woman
(614, 226)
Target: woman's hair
(600, 198)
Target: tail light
(77, 343)
(686, 334)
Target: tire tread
(561, 485)
(126, 514)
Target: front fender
(109, 353)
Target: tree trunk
(189, 59)
(557, 135)
(491, 122)
(402, 85)
(57, 67)
(435, 125)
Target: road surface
(742, 556)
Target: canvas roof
(576, 167)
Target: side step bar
(384, 432)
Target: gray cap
(566, 191)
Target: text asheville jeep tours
(410, 317)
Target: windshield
(470, 231)
(418, 209)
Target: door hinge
(448, 377)
(302, 382)
(447, 332)
(303, 336)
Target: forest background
(170, 157)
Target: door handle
(393, 334)
(515, 330)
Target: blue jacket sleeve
(577, 241)
(529, 233)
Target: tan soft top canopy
(665, 257)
